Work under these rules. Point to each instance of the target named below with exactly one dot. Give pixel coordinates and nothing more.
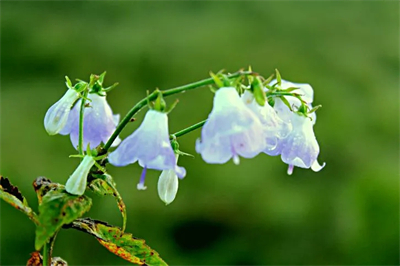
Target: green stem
(188, 129)
(46, 254)
(81, 116)
(152, 96)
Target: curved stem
(152, 96)
(46, 254)
(188, 129)
(81, 116)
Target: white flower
(76, 184)
(168, 186)
(274, 126)
(57, 115)
(231, 130)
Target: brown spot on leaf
(6, 186)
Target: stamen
(236, 159)
(140, 185)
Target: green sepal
(121, 244)
(13, 196)
(286, 102)
(104, 185)
(271, 101)
(217, 80)
(258, 91)
(268, 80)
(101, 77)
(58, 207)
(278, 77)
(314, 109)
(159, 103)
(68, 82)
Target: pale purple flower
(57, 115)
(274, 127)
(98, 123)
(76, 183)
(231, 130)
(150, 146)
(300, 147)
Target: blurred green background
(347, 214)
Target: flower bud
(57, 115)
(168, 186)
(76, 184)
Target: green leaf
(13, 196)
(121, 244)
(104, 185)
(58, 208)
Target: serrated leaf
(121, 244)
(58, 208)
(105, 185)
(13, 196)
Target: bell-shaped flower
(300, 148)
(231, 130)
(76, 184)
(275, 128)
(98, 122)
(150, 146)
(57, 115)
(168, 185)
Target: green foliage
(13, 196)
(58, 208)
(121, 244)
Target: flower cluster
(238, 125)
(272, 117)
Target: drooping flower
(150, 146)
(231, 130)
(98, 123)
(168, 185)
(300, 147)
(274, 127)
(76, 184)
(57, 115)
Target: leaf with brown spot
(58, 208)
(121, 244)
(13, 196)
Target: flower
(57, 115)
(231, 130)
(167, 186)
(76, 183)
(98, 123)
(274, 127)
(300, 147)
(150, 145)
